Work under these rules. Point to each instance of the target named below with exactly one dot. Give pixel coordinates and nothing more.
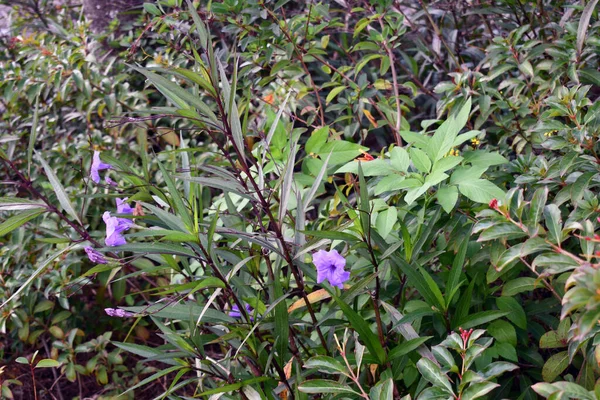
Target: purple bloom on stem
(330, 266)
(110, 181)
(235, 311)
(114, 228)
(124, 208)
(98, 165)
(117, 312)
(94, 255)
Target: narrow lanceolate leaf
(33, 134)
(61, 194)
(326, 364)
(325, 386)
(185, 166)
(287, 183)
(18, 204)
(35, 274)
(232, 111)
(282, 328)
(584, 22)
(201, 30)
(178, 203)
(364, 331)
(434, 375)
(12, 223)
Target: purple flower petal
(235, 311)
(330, 266)
(117, 312)
(110, 181)
(114, 227)
(94, 255)
(97, 165)
(124, 208)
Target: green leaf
(326, 364)
(333, 93)
(36, 273)
(177, 95)
(497, 368)
(444, 137)
(553, 222)
(519, 285)
(420, 160)
(536, 208)
(376, 167)
(399, 159)
(422, 282)
(555, 366)
(584, 23)
(514, 310)
(33, 134)
(17, 220)
(447, 196)
(317, 140)
(553, 340)
(47, 363)
(503, 332)
(404, 348)
(477, 390)
(182, 312)
(18, 204)
(480, 190)
(180, 208)
(383, 390)
(61, 194)
(325, 386)
(235, 386)
(282, 326)
(341, 151)
(433, 374)
(481, 318)
(152, 9)
(526, 68)
(386, 221)
(364, 331)
(503, 230)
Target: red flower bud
(494, 204)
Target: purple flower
(330, 266)
(117, 312)
(114, 228)
(94, 255)
(235, 311)
(98, 165)
(110, 181)
(124, 208)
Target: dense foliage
(273, 199)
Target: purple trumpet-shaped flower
(114, 228)
(117, 312)
(330, 266)
(235, 311)
(124, 208)
(94, 255)
(98, 165)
